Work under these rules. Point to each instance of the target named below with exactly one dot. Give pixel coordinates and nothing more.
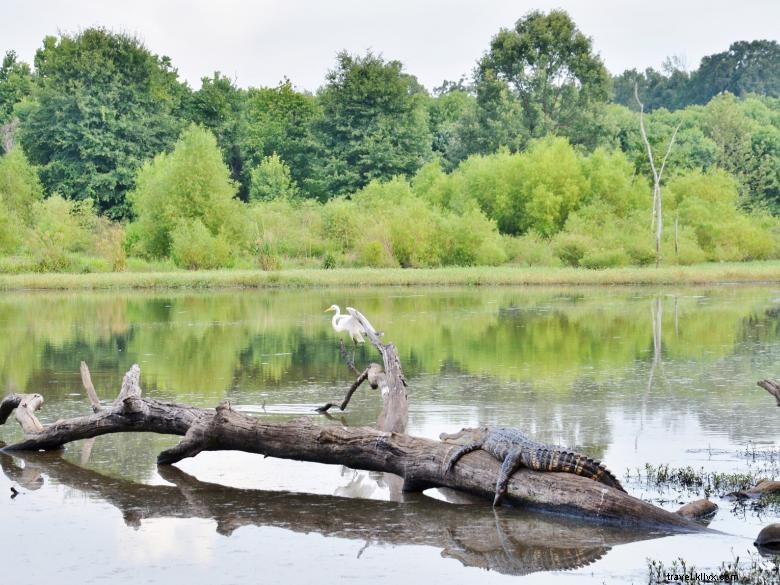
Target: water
(630, 375)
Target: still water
(632, 376)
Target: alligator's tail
(570, 462)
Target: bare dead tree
(657, 220)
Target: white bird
(347, 323)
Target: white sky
(259, 42)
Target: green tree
(19, 186)
(747, 67)
(177, 192)
(668, 89)
(374, 123)
(217, 105)
(550, 69)
(446, 114)
(279, 121)
(103, 104)
(271, 179)
(20, 191)
(16, 83)
(762, 172)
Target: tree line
(108, 154)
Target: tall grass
(712, 273)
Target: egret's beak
(328, 309)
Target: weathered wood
(698, 509)
(355, 385)
(7, 406)
(772, 387)
(765, 487)
(509, 542)
(86, 379)
(128, 413)
(25, 413)
(419, 461)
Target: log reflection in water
(508, 541)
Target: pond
(632, 376)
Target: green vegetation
(699, 481)
(756, 570)
(161, 275)
(110, 163)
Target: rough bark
(772, 387)
(418, 461)
(510, 542)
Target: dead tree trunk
(657, 221)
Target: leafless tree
(657, 220)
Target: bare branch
(644, 133)
(668, 151)
(86, 379)
(355, 385)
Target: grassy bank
(747, 272)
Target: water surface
(629, 375)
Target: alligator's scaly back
(515, 449)
(570, 462)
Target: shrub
(194, 247)
(20, 188)
(293, 228)
(271, 179)
(176, 191)
(469, 239)
(110, 244)
(329, 261)
(59, 229)
(605, 258)
(340, 223)
(571, 248)
(376, 254)
(530, 250)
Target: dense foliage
(102, 105)
(112, 162)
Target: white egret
(347, 323)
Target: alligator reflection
(507, 541)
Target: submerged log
(698, 510)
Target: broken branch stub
(772, 387)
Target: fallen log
(419, 461)
(507, 541)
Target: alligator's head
(464, 436)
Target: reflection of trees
(513, 542)
(209, 343)
(516, 345)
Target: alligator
(515, 449)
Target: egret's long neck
(336, 316)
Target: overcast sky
(259, 42)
